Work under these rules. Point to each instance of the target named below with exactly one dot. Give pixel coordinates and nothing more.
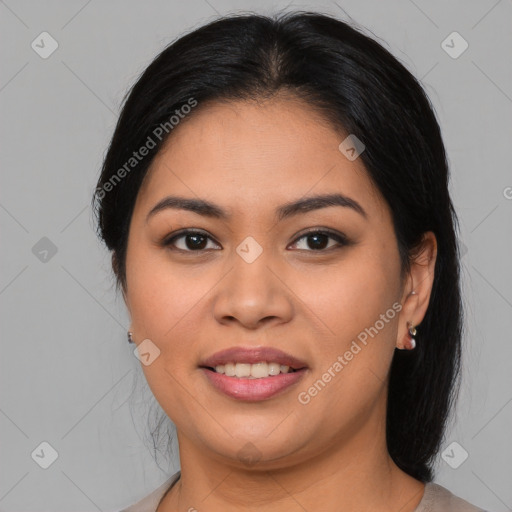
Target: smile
(252, 373)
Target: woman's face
(254, 279)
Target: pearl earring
(130, 339)
(412, 333)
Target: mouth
(253, 374)
(258, 362)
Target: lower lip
(253, 389)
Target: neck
(358, 476)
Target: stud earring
(130, 339)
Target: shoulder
(150, 502)
(439, 499)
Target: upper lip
(252, 356)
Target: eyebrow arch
(208, 209)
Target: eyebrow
(287, 210)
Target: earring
(412, 333)
(130, 339)
(411, 343)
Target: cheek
(357, 332)
(167, 306)
(346, 298)
(162, 306)
(157, 296)
(355, 345)
(163, 303)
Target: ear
(420, 281)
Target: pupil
(316, 245)
(196, 245)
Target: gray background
(66, 369)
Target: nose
(253, 294)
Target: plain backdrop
(66, 370)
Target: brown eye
(190, 241)
(318, 240)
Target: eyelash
(338, 237)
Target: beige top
(435, 499)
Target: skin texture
(329, 454)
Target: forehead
(254, 155)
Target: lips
(252, 356)
(253, 388)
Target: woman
(275, 197)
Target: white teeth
(242, 370)
(252, 371)
(274, 368)
(260, 370)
